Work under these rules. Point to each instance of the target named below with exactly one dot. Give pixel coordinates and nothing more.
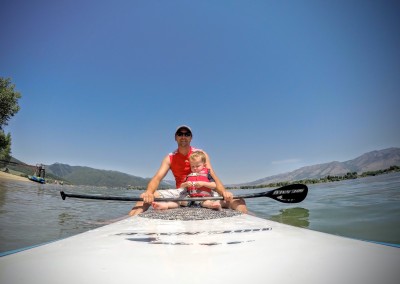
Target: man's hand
(148, 197)
(228, 196)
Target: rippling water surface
(367, 208)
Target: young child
(198, 184)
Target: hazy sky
(267, 86)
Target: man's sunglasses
(187, 134)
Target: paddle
(293, 193)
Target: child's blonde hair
(198, 154)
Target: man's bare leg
(236, 204)
(215, 205)
(239, 205)
(164, 205)
(141, 207)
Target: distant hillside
(88, 176)
(24, 169)
(78, 175)
(372, 161)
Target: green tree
(5, 147)
(8, 108)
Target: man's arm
(148, 195)
(228, 196)
(235, 204)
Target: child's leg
(164, 205)
(216, 205)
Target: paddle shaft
(292, 193)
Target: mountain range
(371, 161)
(79, 175)
(88, 176)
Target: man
(178, 163)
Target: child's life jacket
(204, 175)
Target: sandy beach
(4, 175)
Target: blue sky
(267, 86)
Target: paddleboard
(198, 245)
(37, 179)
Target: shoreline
(7, 176)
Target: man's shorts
(173, 193)
(176, 193)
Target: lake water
(367, 208)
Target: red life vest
(201, 191)
(180, 165)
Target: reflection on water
(2, 195)
(65, 218)
(293, 216)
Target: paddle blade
(293, 193)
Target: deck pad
(189, 214)
(202, 235)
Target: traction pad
(188, 213)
